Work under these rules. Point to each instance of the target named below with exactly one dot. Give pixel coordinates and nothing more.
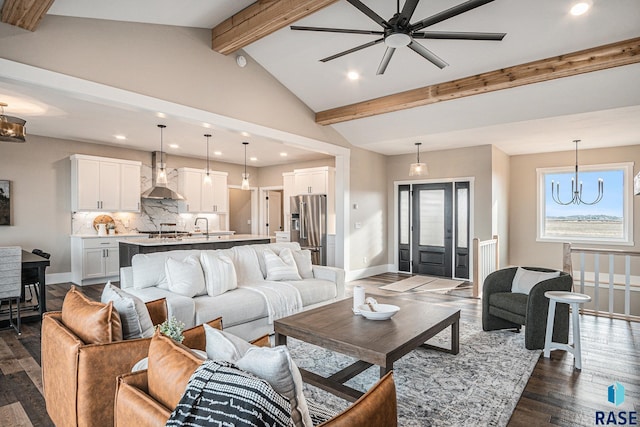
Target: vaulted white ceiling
(601, 108)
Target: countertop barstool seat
(574, 300)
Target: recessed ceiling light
(353, 75)
(217, 153)
(161, 115)
(207, 125)
(580, 8)
(244, 133)
(174, 146)
(253, 159)
(120, 137)
(283, 154)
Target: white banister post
(476, 267)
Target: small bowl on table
(382, 311)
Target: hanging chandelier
(11, 128)
(417, 168)
(207, 177)
(576, 188)
(245, 175)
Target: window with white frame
(610, 221)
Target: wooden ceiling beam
(25, 14)
(259, 20)
(585, 61)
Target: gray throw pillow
(136, 322)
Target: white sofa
(245, 309)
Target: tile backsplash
(151, 215)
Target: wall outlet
(358, 225)
(248, 222)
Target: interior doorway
(271, 210)
(242, 210)
(433, 228)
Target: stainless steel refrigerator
(309, 225)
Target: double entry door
(433, 226)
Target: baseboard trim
(369, 271)
(55, 278)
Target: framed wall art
(5, 202)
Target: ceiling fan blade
(458, 35)
(370, 13)
(427, 54)
(408, 9)
(355, 49)
(337, 30)
(385, 60)
(449, 13)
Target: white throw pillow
(219, 273)
(185, 277)
(525, 280)
(281, 267)
(136, 322)
(245, 261)
(221, 345)
(273, 365)
(276, 367)
(303, 261)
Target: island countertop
(190, 240)
(133, 246)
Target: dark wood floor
(556, 394)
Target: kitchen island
(132, 246)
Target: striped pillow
(281, 267)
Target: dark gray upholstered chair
(502, 309)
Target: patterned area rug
(479, 386)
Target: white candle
(358, 298)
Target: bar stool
(574, 299)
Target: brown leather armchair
(79, 379)
(139, 404)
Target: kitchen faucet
(206, 233)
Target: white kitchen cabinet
(201, 197)
(94, 259)
(104, 184)
(288, 190)
(314, 180)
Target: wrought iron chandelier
(576, 188)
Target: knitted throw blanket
(219, 394)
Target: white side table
(574, 299)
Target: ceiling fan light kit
(398, 31)
(11, 128)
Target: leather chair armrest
(195, 337)
(98, 367)
(377, 407)
(133, 406)
(59, 361)
(157, 310)
(263, 341)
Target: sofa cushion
(134, 316)
(313, 291)
(281, 267)
(148, 269)
(219, 272)
(185, 277)
(303, 262)
(509, 301)
(524, 280)
(178, 306)
(245, 262)
(235, 307)
(93, 322)
(271, 364)
(170, 365)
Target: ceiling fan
(399, 32)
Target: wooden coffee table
(372, 342)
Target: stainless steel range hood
(159, 191)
